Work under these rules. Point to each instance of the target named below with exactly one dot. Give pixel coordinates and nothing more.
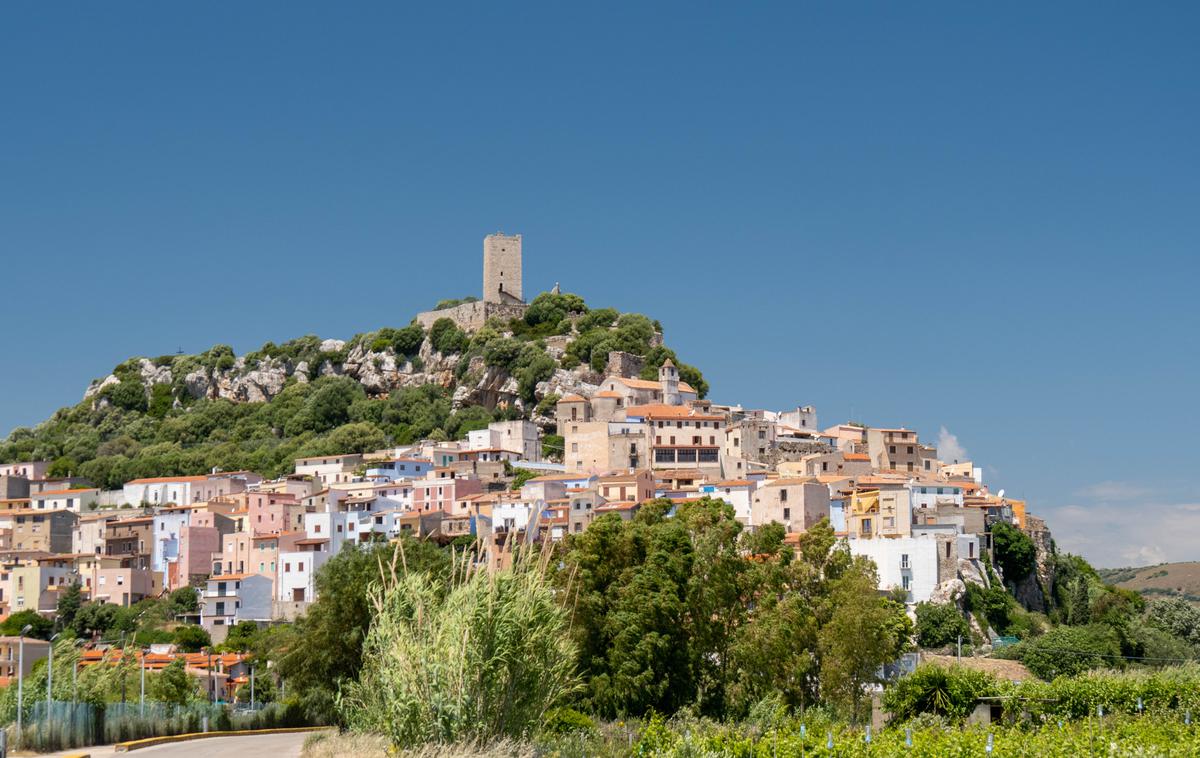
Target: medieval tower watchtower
(502, 268)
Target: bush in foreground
(484, 661)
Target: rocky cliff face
(379, 373)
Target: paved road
(258, 746)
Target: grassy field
(1182, 579)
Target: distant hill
(1165, 579)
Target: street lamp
(50, 677)
(21, 675)
(142, 703)
(75, 670)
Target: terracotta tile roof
(48, 493)
(607, 393)
(658, 410)
(649, 384)
(855, 457)
(572, 398)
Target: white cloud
(949, 448)
(1112, 491)
(1125, 532)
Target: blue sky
(923, 214)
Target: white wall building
(907, 562)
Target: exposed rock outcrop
(379, 373)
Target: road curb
(125, 747)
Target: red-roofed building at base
(233, 598)
(798, 504)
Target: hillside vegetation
(188, 414)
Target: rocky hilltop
(256, 378)
(187, 414)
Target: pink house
(270, 513)
(440, 493)
(196, 547)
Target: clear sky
(928, 214)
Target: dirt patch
(1013, 671)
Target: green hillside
(181, 414)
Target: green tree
(42, 629)
(174, 685)
(864, 632)
(1177, 617)
(1014, 552)
(940, 624)
(183, 600)
(241, 637)
(69, 603)
(191, 638)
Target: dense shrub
(940, 624)
(951, 692)
(1066, 651)
(446, 338)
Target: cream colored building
(798, 504)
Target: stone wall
(471, 317)
(626, 365)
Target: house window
(783, 496)
(787, 513)
(892, 449)
(906, 582)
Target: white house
(520, 436)
(910, 563)
(737, 492)
(400, 469)
(64, 500)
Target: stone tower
(502, 268)
(668, 375)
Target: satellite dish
(1000, 495)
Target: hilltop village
(251, 544)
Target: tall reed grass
(480, 661)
